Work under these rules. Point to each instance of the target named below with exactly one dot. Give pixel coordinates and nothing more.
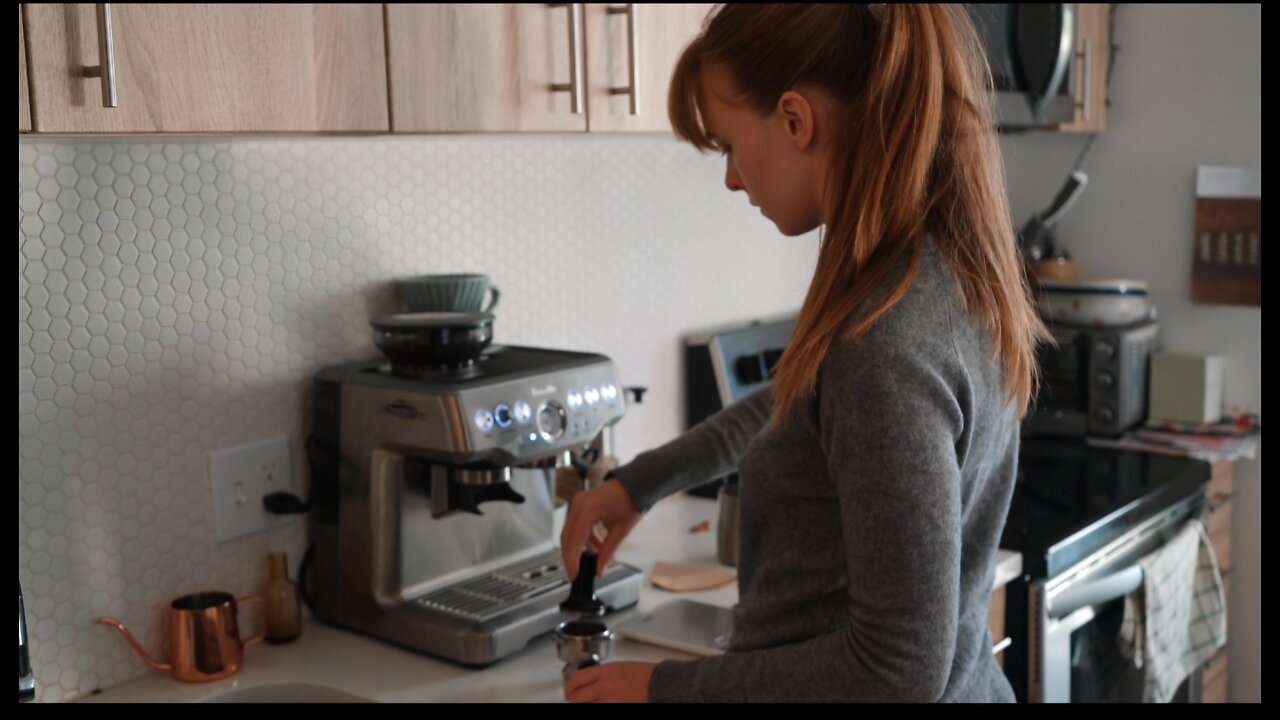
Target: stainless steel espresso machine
(433, 486)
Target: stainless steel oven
(1083, 517)
(725, 365)
(1030, 48)
(1093, 380)
(1074, 619)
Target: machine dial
(551, 420)
(522, 412)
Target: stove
(1083, 517)
(1071, 499)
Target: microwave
(1030, 48)
(725, 365)
(1093, 380)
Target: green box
(1186, 388)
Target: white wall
(175, 297)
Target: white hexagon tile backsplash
(175, 297)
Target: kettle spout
(134, 643)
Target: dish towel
(1177, 619)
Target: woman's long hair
(917, 156)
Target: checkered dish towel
(1178, 618)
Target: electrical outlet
(242, 476)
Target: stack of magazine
(1231, 438)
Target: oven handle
(1094, 592)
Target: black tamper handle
(582, 594)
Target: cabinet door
(24, 108)
(1218, 527)
(1093, 45)
(486, 68)
(1214, 678)
(211, 68)
(640, 42)
(995, 620)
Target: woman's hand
(607, 505)
(620, 682)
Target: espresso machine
(434, 488)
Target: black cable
(304, 578)
(1084, 151)
(286, 503)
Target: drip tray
(492, 594)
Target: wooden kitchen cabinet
(661, 32)
(210, 68)
(1092, 57)
(995, 619)
(534, 68)
(1219, 530)
(484, 68)
(1218, 527)
(24, 109)
(1215, 679)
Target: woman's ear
(798, 118)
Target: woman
(877, 470)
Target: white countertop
(335, 658)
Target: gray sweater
(869, 519)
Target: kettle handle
(262, 619)
(134, 643)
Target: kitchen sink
(287, 693)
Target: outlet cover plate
(242, 476)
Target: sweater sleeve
(889, 418)
(706, 451)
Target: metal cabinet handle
(574, 86)
(1086, 79)
(106, 68)
(633, 56)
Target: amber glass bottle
(284, 612)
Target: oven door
(1075, 617)
(1062, 403)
